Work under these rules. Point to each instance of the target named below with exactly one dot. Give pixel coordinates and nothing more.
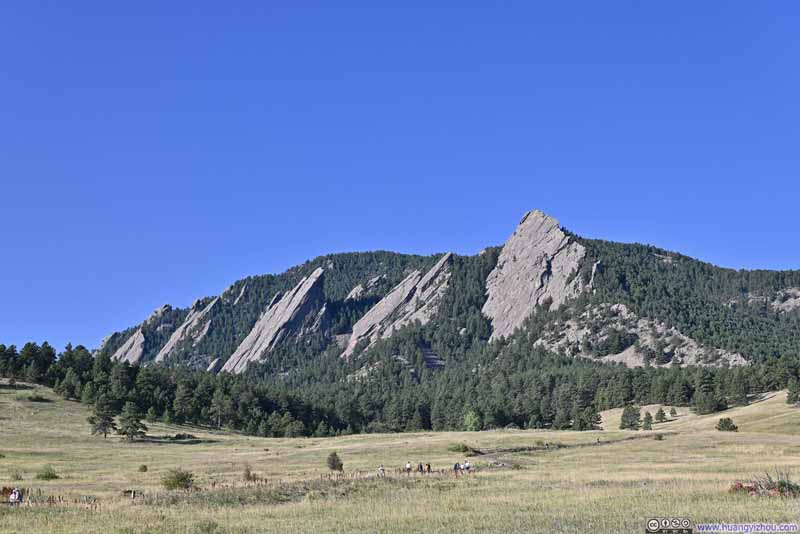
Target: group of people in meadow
(14, 496)
(425, 469)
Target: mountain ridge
(542, 269)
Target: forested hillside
(588, 325)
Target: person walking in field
(456, 468)
(381, 471)
(428, 468)
(408, 468)
(466, 466)
(420, 468)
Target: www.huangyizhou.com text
(712, 528)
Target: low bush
(767, 486)
(458, 447)
(334, 462)
(47, 472)
(726, 425)
(176, 479)
(143, 468)
(659, 437)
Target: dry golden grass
(611, 487)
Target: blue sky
(154, 152)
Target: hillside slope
(616, 303)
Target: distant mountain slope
(213, 327)
(545, 287)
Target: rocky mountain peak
(416, 298)
(536, 266)
(292, 314)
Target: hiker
(466, 466)
(381, 471)
(420, 468)
(428, 468)
(456, 468)
(408, 468)
(15, 498)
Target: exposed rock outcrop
(416, 298)
(537, 266)
(158, 313)
(214, 366)
(193, 329)
(787, 299)
(302, 310)
(132, 350)
(613, 333)
(365, 290)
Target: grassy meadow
(578, 486)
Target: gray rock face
(536, 265)
(300, 311)
(214, 366)
(132, 350)
(787, 300)
(416, 298)
(193, 329)
(577, 335)
(364, 290)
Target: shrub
(767, 486)
(659, 437)
(177, 479)
(334, 462)
(47, 472)
(38, 398)
(726, 425)
(143, 468)
(458, 447)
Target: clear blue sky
(154, 152)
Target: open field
(609, 487)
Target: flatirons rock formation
(193, 329)
(536, 267)
(300, 311)
(132, 350)
(414, 299)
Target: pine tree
(472, 422)
(183, 403)
(102, 420)
(647, 424)
(71, 385)
(631, 418)
(661, 416)
(130, 422)
(793, 391)
(673, 412)
(152, 415)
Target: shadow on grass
(173, 440)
